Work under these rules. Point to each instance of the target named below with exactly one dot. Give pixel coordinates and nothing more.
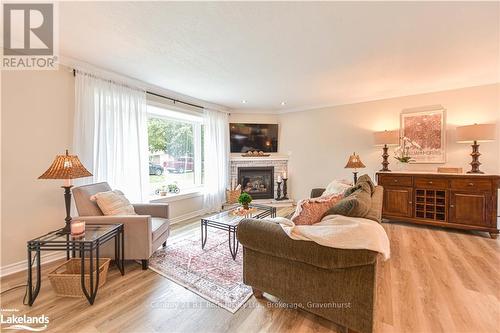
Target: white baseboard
(53, 256)
(23, 265)
(188, 216)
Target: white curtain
(110, 134)
(216, 155)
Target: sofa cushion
(113, 203)
(375, 212)
(159, 226)
(357, 204)
(366, 179)
(351, 190)
(82, 194)
(310, 211)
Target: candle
(279, 179)
(77, 228)
(284, 175)
(67, 182)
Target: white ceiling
(307, 54)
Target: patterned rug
(211, 273)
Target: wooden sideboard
(462, 201)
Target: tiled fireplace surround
(280, 164)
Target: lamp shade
(65, 167)
(354, 162)
(476, 132)
(386, 138)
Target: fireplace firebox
(257, 181)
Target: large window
(175, 141)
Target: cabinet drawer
(422, 182)
(396, 180)
(471, 184)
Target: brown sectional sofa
(336, 284)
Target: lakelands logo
(29, 36)
(24, 322)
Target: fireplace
(257, 181)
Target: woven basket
(232, 196)
(66, 278)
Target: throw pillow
(366, 179)
(357, 204)
(336, 187)
(351, 190)
(310, 211)
(113, 203)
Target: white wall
(37, 122)
(321, 140)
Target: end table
(59, 240)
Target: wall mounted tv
(248, 137)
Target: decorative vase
(245, 206)
(402, 166)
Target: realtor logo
(28, 36)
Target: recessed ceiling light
(283, 103)
(244, 101)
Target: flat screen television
(248, 137)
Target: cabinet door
(469, 208)
(398, 201)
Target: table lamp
(354, 163)
(385, 139)
(474, 134)
(66, 167)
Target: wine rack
(430, 204)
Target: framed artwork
(426, 127)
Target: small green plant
(173, 188)
(244, 199)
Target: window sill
(183, 194)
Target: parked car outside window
(155, 169)
(181, 165)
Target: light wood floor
(436, 281)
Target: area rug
(211, 273)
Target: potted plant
(173, 188)
(162, 191)
(245, 199)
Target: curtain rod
(158, 95)
(175, 100)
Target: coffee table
(226, 220)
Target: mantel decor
(255, 153)
(66, 167)
(426, 127)
(474, 134)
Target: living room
(258, 166)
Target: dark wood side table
(58, 240)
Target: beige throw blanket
(340, 232)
